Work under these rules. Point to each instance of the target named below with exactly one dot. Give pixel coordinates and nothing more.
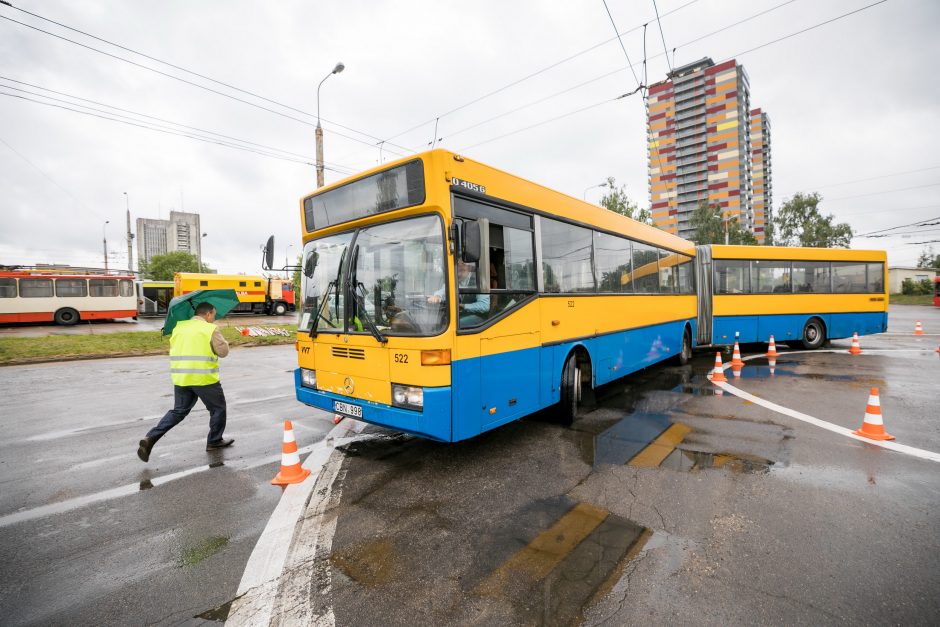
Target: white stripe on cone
(289, 436)
(874, 401)
(290, 459)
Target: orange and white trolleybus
(38, 296)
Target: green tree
(928, 260)
(800, 223)
(616, 200)
(163, 267)
(297, 271)
(710, 227)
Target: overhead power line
(335, 167)
(197, 85)
(153, 127)
(659, 22)
(925, 222)
(887, 191)
(622, 47)
(864, 180)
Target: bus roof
(519, 191)
(54, 275)
(720, 251)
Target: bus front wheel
(814, 334)
(570, 390)
(67, 317)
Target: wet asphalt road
(744, 517)
(157, 555)
(736, 515)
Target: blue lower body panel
(433, 423)
(790, 326)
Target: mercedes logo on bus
(349, 385)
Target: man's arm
(481, 306)
(219, 345)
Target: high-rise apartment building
(159, 237)
(701, 147)
(761, 187)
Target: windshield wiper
(361, 302)
(326, 298)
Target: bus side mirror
(268, 254)
(311, 264)
(470, 243)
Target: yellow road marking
(660, 448)
(548, 549)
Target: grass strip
(910, 299)
(24, 350)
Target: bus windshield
(382, 279)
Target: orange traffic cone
(291, 470)
(736, 361)
(772, 349)
(918, 330)
(337, 418)
(873, 427)
(856, 349)
(718, 374)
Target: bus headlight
(308, 378)
(407, 396)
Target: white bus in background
(37, 296)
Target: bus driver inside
(474, 308)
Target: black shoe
(211, 446)
(143, 450)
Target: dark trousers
(184, 399)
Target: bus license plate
(345, 408)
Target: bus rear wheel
(67, 317)
(814, 334)
(570, 391)
(685, 354)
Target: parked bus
(153, 297)
(444, 298)
(803, 296)
(65, 299)
(256, 294)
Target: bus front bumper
(433, 423)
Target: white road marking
(822, 424)
(265, 574)
(125, 490)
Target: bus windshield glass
(394, 272)
(395, 188)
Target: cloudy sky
(526, 86)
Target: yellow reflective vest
(192, 361)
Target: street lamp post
(104, 239)
(319, 132)
(584, 196)
(286, 258)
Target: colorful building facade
(701, 147)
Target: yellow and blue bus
(444, 298)
(803, 296)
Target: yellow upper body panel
(720, 251)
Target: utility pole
(104, 239)
(130, 236)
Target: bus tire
(570, 390)
(67, 317)
(685, 353)
(279, 309)
(814, 334)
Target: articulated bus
(153, 297)
(803, 296)
(444, 298)
(65, 299)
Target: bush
(916, 288)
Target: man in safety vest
(195, 347)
